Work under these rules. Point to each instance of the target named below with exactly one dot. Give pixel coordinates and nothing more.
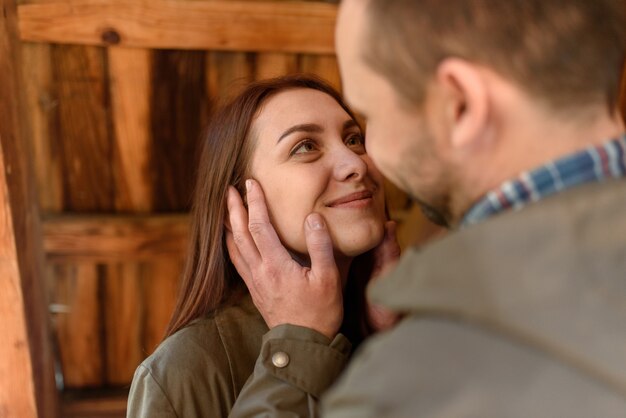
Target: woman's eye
(303, 148)
(356, 141)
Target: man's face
(399, 138)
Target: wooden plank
(75, 297)
(122, 325)
(129, 76)
(324, 66)
(17, 397)
(129, 72)
(41, 124)
(270, 65)
(179, 109)
(95, 403)
(220, 25)
(160, 286)
(115, 238)
(84, 131)
(26, 363)
(85, 144)
(227, 73)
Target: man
(500, 119)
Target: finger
(320, 247)
(238, 218)
(238, 261)
(390, 249)
(387, 253)
(260, 227)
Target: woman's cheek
(288, 221)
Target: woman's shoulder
(205, 363)
(211, 343)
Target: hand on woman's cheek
(282, 290)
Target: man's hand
(284, 291)
(386, 256)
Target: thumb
(388, 251)
(319, 246)
(391, 248)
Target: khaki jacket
(200, 370)
(523, 315)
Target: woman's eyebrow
(349, 124)
(305, 127)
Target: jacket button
(280, 359)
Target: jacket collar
(552, 275)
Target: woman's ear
(465, 101)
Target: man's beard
(439, 216)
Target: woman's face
(310, 157)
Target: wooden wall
(114, 119)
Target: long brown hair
(209, 279)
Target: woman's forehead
(297, 106)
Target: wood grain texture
(220, 25)
(85, 143)
(159, 290)
(41, 102)
(17, 397)
(76, 298)
(122, 324)
(26, 378)
(115, 238)
(129, 78)
(178, 112)
(323, 65)
(227, 73)
(270, 65)
(95, 403)
(84, 128)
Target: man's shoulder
(437, 367)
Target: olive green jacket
(200, 370)
(523, 315)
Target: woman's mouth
(353, 200)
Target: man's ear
(466, 101)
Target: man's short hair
(566, 52)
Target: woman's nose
(349, 166)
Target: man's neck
(528, 140)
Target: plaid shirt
(594, 164)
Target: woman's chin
(355, 243)
(347, 241)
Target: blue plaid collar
(593, 164)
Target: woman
(296, 137)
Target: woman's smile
(356, 200)
(310, 157)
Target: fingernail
(248, 185)
(315, 221)
(230, 196)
